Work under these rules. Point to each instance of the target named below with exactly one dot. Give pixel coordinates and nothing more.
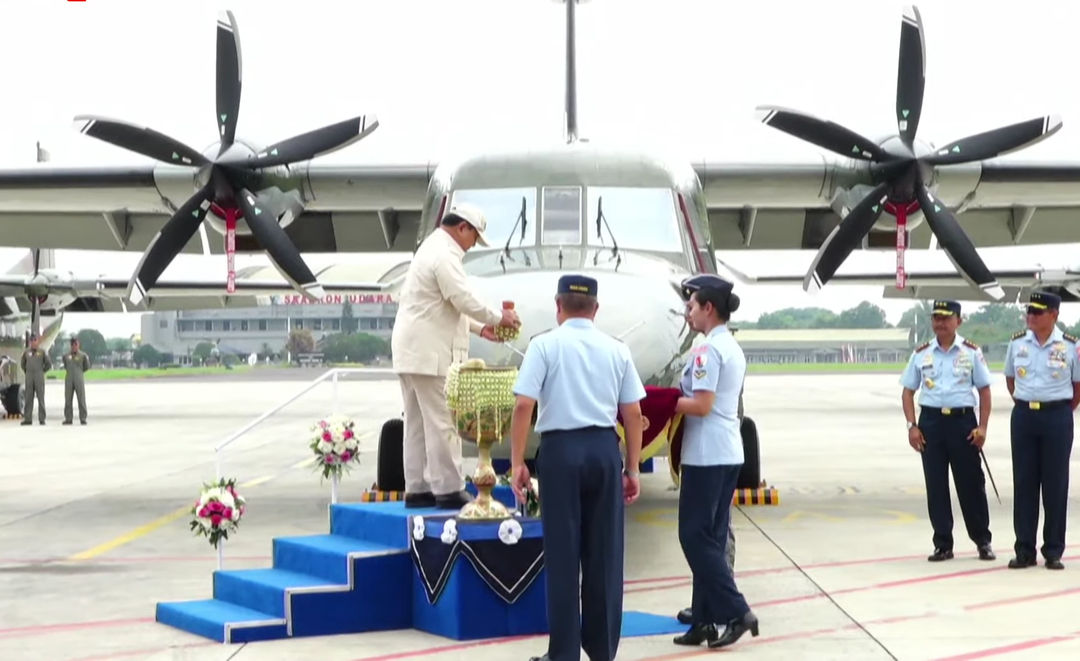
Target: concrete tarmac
(94, 530)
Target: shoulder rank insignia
(1018, 334)
(970, 345)
(1071, 338)
(921, 347)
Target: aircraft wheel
(750, 475)
(390, 475)
(13, 399)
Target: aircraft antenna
(571, 75)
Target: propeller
(230, 178)
(903, 169)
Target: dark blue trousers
(1041, 445)
(580, 477)
(705, 494)
(947, 445)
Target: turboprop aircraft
(637, 222)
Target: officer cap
(577, 284)
(946, 308)
(1041, 300)
(696, 282)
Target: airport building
(263, 329)
(826, 345)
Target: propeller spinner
(229, 177)
(901, 173)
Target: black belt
(957, 410)
(577, 430)
(1039, 406)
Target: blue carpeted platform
(363, 576)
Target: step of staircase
(221, 621)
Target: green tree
(202, 351)
(93, 343)
(1074, 330)
(358, 347)
(147, 355)
(300, 341)
(797, 318)
(918, 318)
(349, 323)
(863, 315)
(119, 344)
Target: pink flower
(216, 507)
(205, 511)
(329, 458)
(328, 437)
(346, 456)
(215, 520)
(227, 513)
(348, 434)
(242, 508)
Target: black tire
(13, 399)
(390, 475)
(750, 475)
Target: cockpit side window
(502, 208)
(561, 210)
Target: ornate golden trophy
(481, 402)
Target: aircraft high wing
(280, 200)
(930, 274)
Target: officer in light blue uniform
(947, 433)
(711, 459)
(582, 378)
(1042, 372)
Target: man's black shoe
(940, 554)
(1020, 563)
(66, 422)
(422, 499)
(986, 553)
(698, 634)
(453, 501)
(26, 423)
(539, 658)
(1054, 563)
(685, 616)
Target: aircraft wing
(345, 208)
(929, 273)
(769, 206)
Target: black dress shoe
(26, 423)
(1054, 563)
(1020, 563)
(698, 634)
(422, 499)
(685, 616)
(986, 553)
(735, 629)
(66, 422)
(540, 658)
(453, 501)
(940, 554)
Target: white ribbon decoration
(418, 528)
(449, 531)
(510, 531)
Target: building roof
(824, 338)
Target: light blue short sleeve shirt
(946, 378)
(718, 365)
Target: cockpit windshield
(638, 218)
(501, 207)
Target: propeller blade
(317, 142)
(822, 133)
(273, 239)
(845, 237)
(139, 139)
(229, 75)
(168, 242)
(910, 75)
(956, 244)
(37, 259)
(996, 142)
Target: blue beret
(577, 284)
(1042, 300)
(946, 308)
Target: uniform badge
(1020, 371)
(700, 360)
(1022, 353)
(699, 374)
(929, 383)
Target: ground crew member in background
(76, 363)
(711, 460)
(581, 378)
(689, 286)
(436, 312)
(1042, 372)
(34, 363)
(947, 432)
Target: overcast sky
(454, 77)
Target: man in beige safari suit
(436, 313)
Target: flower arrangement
(480, 399)
(218, 510)
(335, 444)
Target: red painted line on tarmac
(129, 560)
(71, 626)
(1014, 647)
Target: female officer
(712, 457)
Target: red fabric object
(659, 407)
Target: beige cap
(473, 216)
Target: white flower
(339, 448)
(236, 515)
(227, 499)
(418, 528)
(449, 531)
(510, 531)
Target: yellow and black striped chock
(376, 496)
(761, 496)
